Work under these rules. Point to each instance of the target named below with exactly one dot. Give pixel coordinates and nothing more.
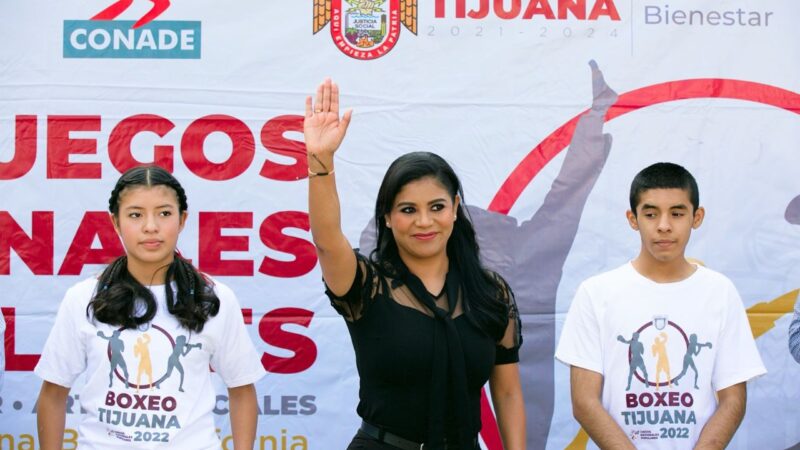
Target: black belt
(394, 440)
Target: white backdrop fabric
(216, 92)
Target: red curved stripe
(559, 139)
(489, 431)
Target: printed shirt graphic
(663, 349)
(151, 387)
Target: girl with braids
(154, 297)
(428, 323)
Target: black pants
(363, 442)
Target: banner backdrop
(546, 109)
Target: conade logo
(105, 37)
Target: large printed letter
(35, 251)
(305, 351)
(24, 149)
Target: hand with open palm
(324, 130)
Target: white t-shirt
(664, 350)
(168, 398)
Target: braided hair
(121, 300)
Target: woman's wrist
(319, 165)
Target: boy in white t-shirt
(659, 349)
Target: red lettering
(673, 399)
(499, 9)
(213, 243)
(124, 400)
(35, 251)
(15, 361)
(119, 142)
(139, 399)
(539, 7)
(242, 151)
(272, 137)
(94, 224)
(60, 146)
(144, 402)
(576, 7)
(24, 149)
(168, 404)
(660, 399)
(305, 351)
(483, 11)
(604, 8)
(271, 233)
(439, 9)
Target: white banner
(502, 89)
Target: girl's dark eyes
(437, 207)
(136, 215)
(408, 210)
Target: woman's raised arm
(324, 131)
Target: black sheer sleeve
(353, 305)
(508, 347)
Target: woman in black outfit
(428, 323)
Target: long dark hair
(121, 300)
(481, 290)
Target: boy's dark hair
(664, 175)
(121, 300)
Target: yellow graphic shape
(762, 317)
(662, 359)
(580, 441)
(141, 350)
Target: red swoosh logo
(118, 7)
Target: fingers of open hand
(335, 98)
(318, 98)
(345, 122)
(326, 96)
(308, 107)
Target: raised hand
(324, 130)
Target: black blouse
(413, 381)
